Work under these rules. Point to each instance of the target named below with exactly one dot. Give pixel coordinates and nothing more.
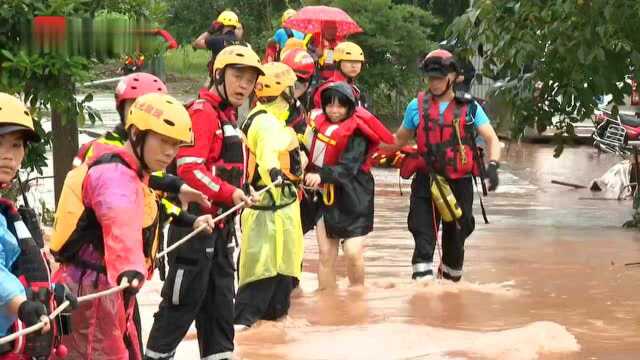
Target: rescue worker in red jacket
(106, 227)
(200, 283)
(349, 59)
(27, 295)
(340, 141)
(445, 126)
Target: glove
(275, 174)
(31, 311)
(492, 175)
(131, 275)
(62, 294)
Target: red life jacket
(228, 156)
(32, 269)
(447, 155)
(328, 140)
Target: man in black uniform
(225, 31)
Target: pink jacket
(115, 193)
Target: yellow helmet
(238, 55)
(277, 78)
(288, 14)
(228, 18)
(348, 51)
(14, 116)
(162, 114)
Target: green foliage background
(555, 56)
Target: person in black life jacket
(225, 31)
(200, 283)
(27, 295)
(340, 141)
(445, 124)
(349, 59)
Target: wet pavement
(545, 280)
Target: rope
(438, 242)
(35, 327)
(124, 284)
(215, 220)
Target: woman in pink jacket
(107, 225)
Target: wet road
(544, 280)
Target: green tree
(396, 35)
(189, 18)
(555, 56)
(47, 80)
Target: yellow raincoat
(272, 240)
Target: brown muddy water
(545, 280)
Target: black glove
(131, 275)
(62, 294)
(492, 175)
(31, 311)
(275, 174)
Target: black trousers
(264, 299)
(199, 286)
(421, 225)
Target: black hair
(330, 95)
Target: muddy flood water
(545, 280)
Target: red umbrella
(318, 19)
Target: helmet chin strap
(138, 149)
(223, 94)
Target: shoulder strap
(113, 158)
(109, 158)
(246, 125)
(471, 113)
(421, 105)
(252, 165)
(288, 32)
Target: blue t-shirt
(412, 118)
(281, 36)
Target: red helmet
(439, 63)
(135, 85)
(301, 62)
